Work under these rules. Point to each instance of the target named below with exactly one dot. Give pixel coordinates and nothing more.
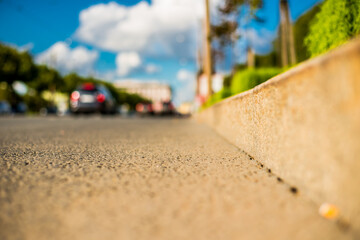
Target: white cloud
(152, 68)
(184, 75)
(127, 62)
(65, 59)
(24, 48)
(186, 91)
(109, 75)
(260, 40)
(162, 28)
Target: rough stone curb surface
(304, 125)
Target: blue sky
(127, 39)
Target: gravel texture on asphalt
(113, 178)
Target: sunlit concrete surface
(305, 126)
(110, 178)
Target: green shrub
(243, 80)
(249, 78)
(217, 97)
(337, 22)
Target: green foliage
(336, 23)
(35, 102)
(46, 79)
(301, 30)
(217, 97)
(269, 60)
(231, 6)
(15, 65)
(71, 81)
(227, 81)
(247, 79)
(243, 80)
(225, 31)
(131, 99)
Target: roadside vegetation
(336, 23)
(324, 27)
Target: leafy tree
(301, 30)
(226, 31)
(336, 23)
(131, 99)
(35, 102)
(71, 81)
(46, 79)
(15, 66)
(269, 60)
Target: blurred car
(144, 108)
(49, 110)
(164, 108)
(157, 108)
(168, 108)
(5, 107)
(20, 108)
(92, 98)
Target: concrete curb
(304, 125)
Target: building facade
(154, 91)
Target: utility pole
(208, 63)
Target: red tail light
(100, 98)
(75, 96)
(139, 107)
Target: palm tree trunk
(250, 58)
(290, 35)
(287, 37)
(208, 58)
(283, 33)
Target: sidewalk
(142, 179)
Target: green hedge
(243, 80)
(217, 97)
(249, 78)
(336, 23)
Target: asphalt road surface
(112, 178)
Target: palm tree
(226, 32)
(227, 29)
(286, 35)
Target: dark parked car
(92, 98)
(144, 108)
(168, 108)
(20, 108)
(5, 107)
